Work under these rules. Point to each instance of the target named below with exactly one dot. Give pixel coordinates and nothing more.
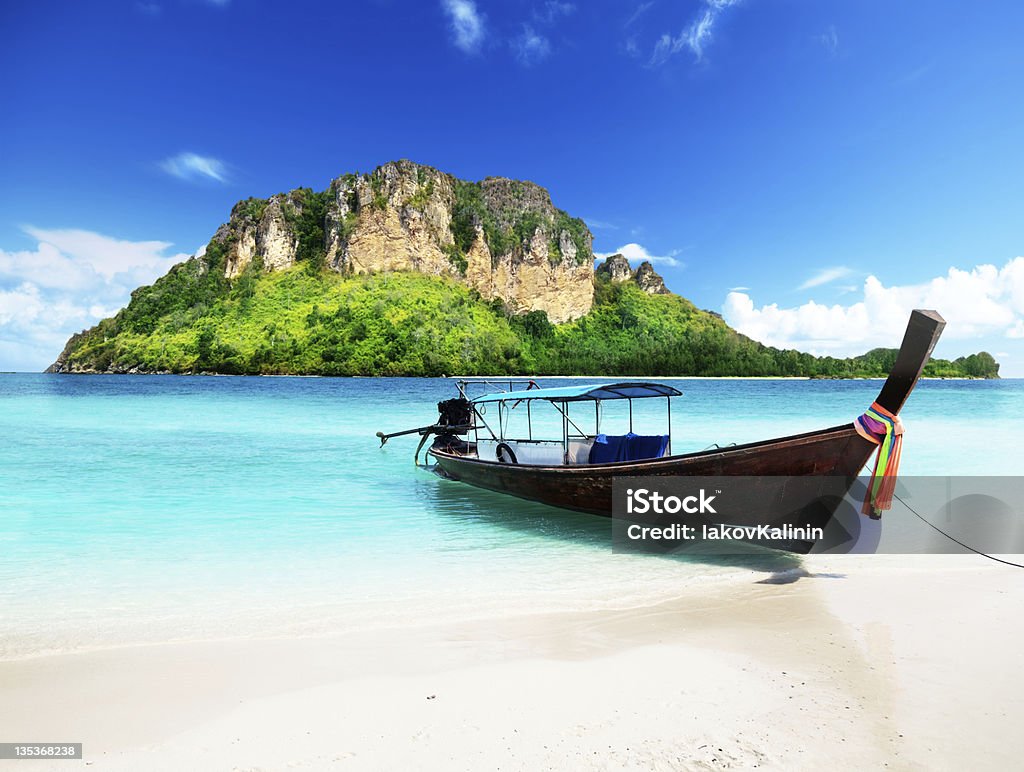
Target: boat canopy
(593, 391)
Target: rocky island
(408, 270)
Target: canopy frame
(560, 399)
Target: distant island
(410, 271)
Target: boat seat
(609, 448)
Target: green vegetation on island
(305, 321)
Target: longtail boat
(471, 444)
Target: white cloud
(739, 289)
(600, 225)
(552, 10)
(666, 47)
(106, 256)
(69, 281)
(22, 301)
(530, 47)
(191, 167)
(825, 276)
(695, 37)
(45, 267)
(982, 302)
(640, 11)
(635, 253)
(467, 24)
(830, 39)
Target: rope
(953, 539)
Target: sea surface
(139, 509)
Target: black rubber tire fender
(501, 451)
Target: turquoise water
(147, 508)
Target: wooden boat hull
(838, 452)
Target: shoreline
(408, 617)
(527, 377)
(695, 588)
(837, 662)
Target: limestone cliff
(258, 229)
(649, 281)
(504, 238)
(616, 268)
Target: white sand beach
(852, 663)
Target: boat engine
(454, 417)
(455, 413)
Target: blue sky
(811, 169)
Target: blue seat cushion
(608, 448)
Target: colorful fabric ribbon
(885, 430)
